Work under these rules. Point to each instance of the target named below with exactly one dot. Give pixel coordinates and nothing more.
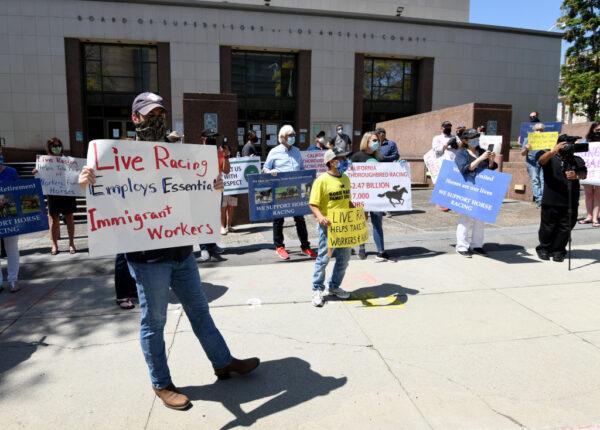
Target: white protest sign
(314, 160)
(592, 162)
(241, 167)
(381, 187)
(485, 141)
(151, 195)
(433, 164)
(59, 175)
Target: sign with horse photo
(381, 187)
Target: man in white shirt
(442, 144)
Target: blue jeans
(536, 175)
(377, 222)
(342, 257)
(153, 281)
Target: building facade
(70, 68)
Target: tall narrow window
(389, 90)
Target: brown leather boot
(241, 367)
(172, 398)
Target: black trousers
(124, 282)
(300, 229)
(555, 228)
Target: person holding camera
(562, 172)
(445, 145)
(471, 160)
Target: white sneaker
(224, 231)
(204, 255)
(317, 299)
(339, 293)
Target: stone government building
(70, 68)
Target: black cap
(446, 124)
(209, 132)
(321, 134)
(469, 134)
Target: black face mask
(447, 130)
(534, 119)
(595, 136)
(152, 129)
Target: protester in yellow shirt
(331, 190)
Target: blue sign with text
(280, 196)
(527, 127)
(22, 207)
(478, 196)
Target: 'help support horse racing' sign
(151, 195)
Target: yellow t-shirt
(330, 192)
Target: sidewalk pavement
(430, 341)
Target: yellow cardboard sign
(348, 228)
(544, 140)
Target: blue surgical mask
(291, 140)
(343, 166)
(474, 143)
(374, 145)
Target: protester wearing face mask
(11, 243)
(58, 205)
(592, 192)
(331, 190)
(369, 153)
(285, 157)
(443, 145)
(155, 271)
(471, 160)
(320, 143)
(341, 140)
(534, 170)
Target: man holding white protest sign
(144, 207)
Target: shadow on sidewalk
(587, 254)
(412, 252)
(290, 380)
(16, 352)
(381, 295)
(511, 254)
(211, 292)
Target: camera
(571, 147)
(454, 142)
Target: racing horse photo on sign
(397, 194)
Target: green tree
(580, 75)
